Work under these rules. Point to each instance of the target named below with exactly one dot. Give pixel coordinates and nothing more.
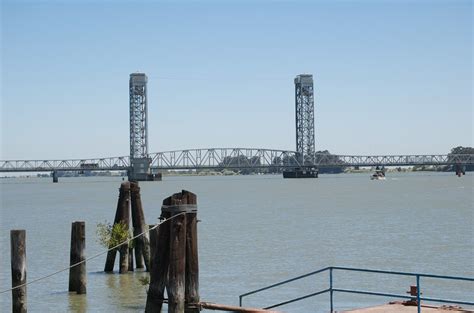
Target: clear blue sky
(391, 77)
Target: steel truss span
(231, 158)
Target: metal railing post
(418, 302)
(330, 290)
(240, 301)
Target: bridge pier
(55, 176)
(460, 170)
(140, 170)
(305, 172)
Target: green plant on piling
(109, 235)
(145, 281)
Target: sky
(390, 77)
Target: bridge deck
(233, 158)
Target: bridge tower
(139, 159)
(304, 120)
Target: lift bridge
(304, 162)
(233, 158)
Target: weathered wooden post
(131, 268)
(122, 215)
(192, 261)
(153, 234)
(159, 264)
(174, 262)
(177, 267)
(142, 243)
(18, 267)
(77, 274)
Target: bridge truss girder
(231, 158)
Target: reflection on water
(122, 288)
(77, 303)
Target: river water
(255, 231)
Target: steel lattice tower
(304, 105)
(138, 116)
(139, 160)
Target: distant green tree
(325, 156)
(460, 150)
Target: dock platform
(401, 308)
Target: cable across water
(92, 257)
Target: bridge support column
(460, 170)
(306, 172)
(140, 170)
(55, 176)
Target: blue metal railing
(331, 290)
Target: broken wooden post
(142, 243)
(122, 215)
(77, 273)
(18, 267)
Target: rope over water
(94, 256)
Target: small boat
(378, 175)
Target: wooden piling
(153, 234)
(177, 266)
(77, 274)
(130, 259)
(124, 258)
(159, 266)
(122, 215)
(192, 261)
(174, 262)
(142, 243)
(18, 268)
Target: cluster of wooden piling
(175, 265)
(169, 252)
(129, 201)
